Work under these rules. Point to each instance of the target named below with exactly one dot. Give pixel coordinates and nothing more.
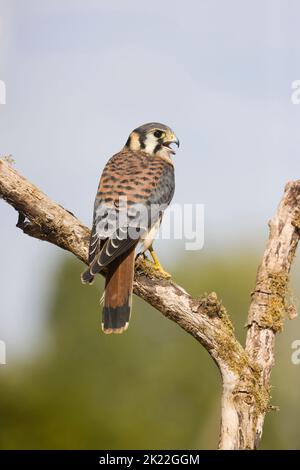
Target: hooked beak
(173, 140)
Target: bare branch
(268, 307)
(40, 217)
(245, 373)
(245, 404)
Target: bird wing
(134, 190)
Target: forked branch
(245, 372)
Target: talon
(162, 272)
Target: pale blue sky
(80, 75)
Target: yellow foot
(161, 272)
(157, 266)
(147, 267)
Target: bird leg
(156, 264)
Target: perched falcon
(136, 186)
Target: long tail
(118, 294)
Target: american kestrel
(136, 186)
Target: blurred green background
(153, 387)
(80, 75)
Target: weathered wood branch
(268, 306)
(245, 372)
(247, 405)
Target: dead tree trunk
(245, 371)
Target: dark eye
(158, 134)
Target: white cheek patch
(150, 143)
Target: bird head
(153, 138)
